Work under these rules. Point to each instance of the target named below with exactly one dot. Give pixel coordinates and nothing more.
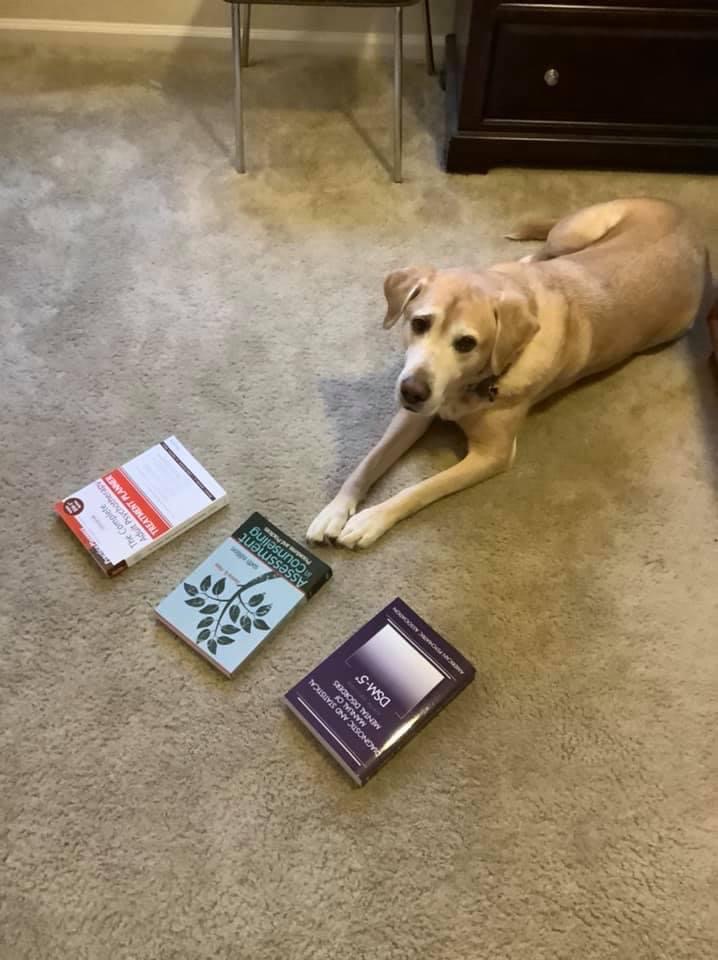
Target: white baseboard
(171, 37)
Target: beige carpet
(566, 805)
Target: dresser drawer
(594, 74)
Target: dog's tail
(532, 230)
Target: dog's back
(636, 272)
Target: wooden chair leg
(238, 113)
(398, 64)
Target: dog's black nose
(414, 390)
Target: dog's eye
(420, 324)
(465, 344)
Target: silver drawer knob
(551, 77)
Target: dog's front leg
(485, 458)
(403, 431)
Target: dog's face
(459, 327)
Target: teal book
(242, 592)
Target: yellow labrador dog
(484, 346)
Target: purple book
(376, 690)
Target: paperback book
(236, 598)
(375, 692)
(132, 510)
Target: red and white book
(130, 511)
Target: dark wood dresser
(615, 83)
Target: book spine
(317, 584)
(175, 531)
(107, 568)
(325, 744)
(190, 643)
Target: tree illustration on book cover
(225, 620)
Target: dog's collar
(486, 389)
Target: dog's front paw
(330, 522)
(366, 527)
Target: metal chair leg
(398, 58)
(238, 117)
(247, 8)
(428, 39)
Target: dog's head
(458, 327)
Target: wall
(214, 13)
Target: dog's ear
(516, 325)
(400, 288)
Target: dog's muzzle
(414, 391)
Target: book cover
(130, 511)
(239, 595)
(374, 692)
